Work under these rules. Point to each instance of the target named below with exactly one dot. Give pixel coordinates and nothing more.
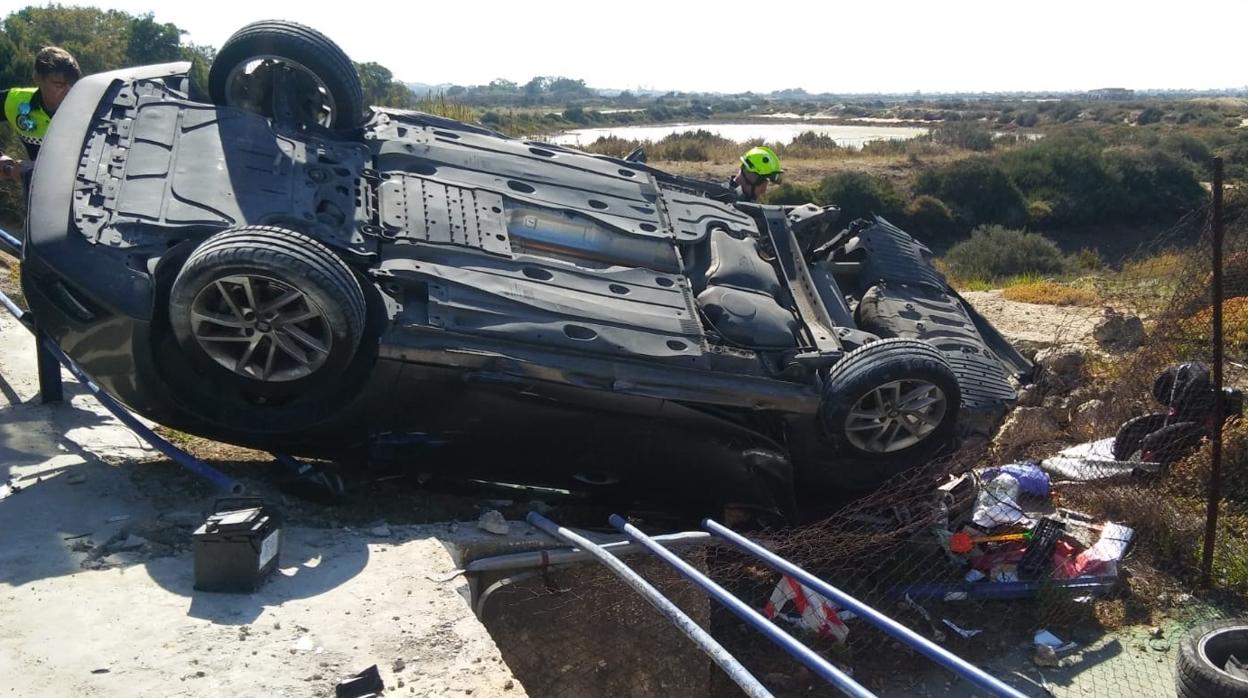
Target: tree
(151, 42)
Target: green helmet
(763, 162)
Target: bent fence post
(798, 650)
(898, 631)
(692, 630)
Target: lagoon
(845, 135)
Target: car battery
(237, 547)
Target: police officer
(759, 167)
(29, 110)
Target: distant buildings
(1111, 94)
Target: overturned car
(274, 265)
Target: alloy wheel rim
(896, 416)
(262, 328)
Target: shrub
(966, 135)
(928, 218)
(977, 190)
(790, 194)
(860, 195)
(1086, 260)
(996, 252)
(1150, 115)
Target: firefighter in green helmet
(760, 166)
(29, 110)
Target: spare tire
(269, 306)
(890, 405)
(304, 61)
(1204, 656)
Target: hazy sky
(731, 46)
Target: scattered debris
(1046, 656)
(996, 504)
(101, 670)
(399, 665)
(960, 630)
(119, 518)
(1044, 637)
(493, 522)
(817, 614)
(365, 683)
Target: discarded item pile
(1007, 552)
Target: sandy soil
(1033, 326)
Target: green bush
(860, 195)
(1151, 183)
(1150, 115)
(790, 194)
(962, 134)
(978, 191)
(995, 252)
(929, 219)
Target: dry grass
(1049, 292)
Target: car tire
(1171, 443)
(1203, 653)
(890, 405)
(1132, 432)
(267, 306)
(303, 48)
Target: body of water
(848, 136)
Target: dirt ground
(1034, 326)
(96, 576)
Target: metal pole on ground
(738, 673)
(899, 632)
(1219, 405)
(825, 669)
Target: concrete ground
(96, 579)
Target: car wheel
(1132, 432)
(893, 402)
(327, 90)
(268, 305)
(1171, 443)
(1205, 668)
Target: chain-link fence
(1064, 555)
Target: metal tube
(14, 245)
(23, 316)
(1219, 403)
(186, 460)
(742, 610)
(549, 558)
(898, 631)
(739, 674)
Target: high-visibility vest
(30, 122)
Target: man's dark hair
(53, 59)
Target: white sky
(764, 45)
